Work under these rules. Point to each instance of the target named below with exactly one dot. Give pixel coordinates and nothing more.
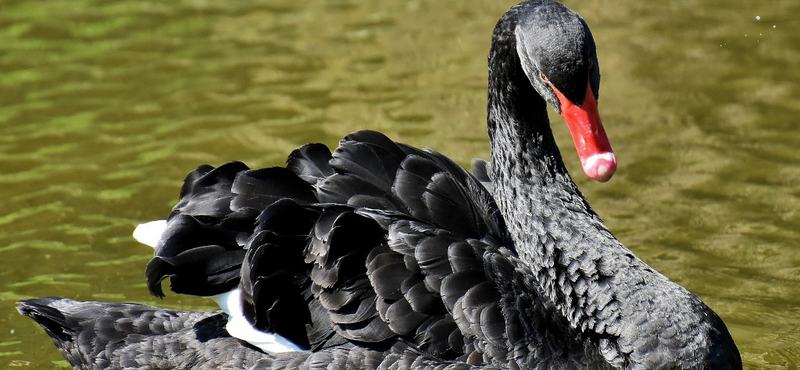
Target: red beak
(597, 157)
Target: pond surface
(105, 105)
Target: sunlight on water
(106, 105)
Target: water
(106, 105)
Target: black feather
(310, 162)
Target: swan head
(557, 53)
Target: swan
(379, 255)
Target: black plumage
(383, 256)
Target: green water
(105, 105)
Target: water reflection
(105, 106)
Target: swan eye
(544, 78)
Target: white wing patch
(150, 233)
(239, 327)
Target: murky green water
(105, 105)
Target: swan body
(379, 255)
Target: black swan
(384, 256)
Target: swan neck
(532, 188)
(525, 157)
